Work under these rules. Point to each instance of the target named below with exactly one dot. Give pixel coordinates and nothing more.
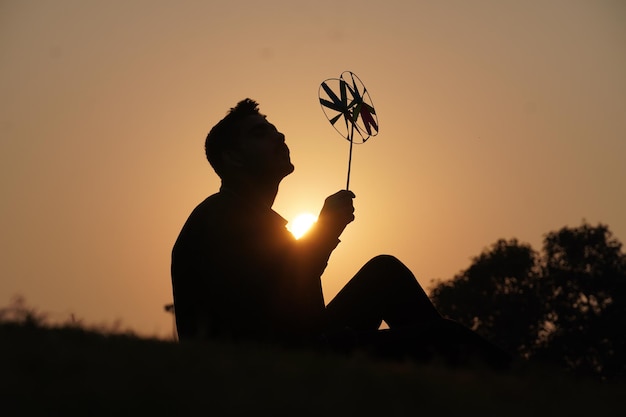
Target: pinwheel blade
(331, 105)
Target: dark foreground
(71, 371)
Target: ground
(72, 371)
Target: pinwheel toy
(349, 108)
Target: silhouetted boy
(238, 273)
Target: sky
(498, 119)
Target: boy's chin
(290, 169)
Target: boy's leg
(383, 289)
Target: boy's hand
(338, 211)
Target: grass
(68, 370)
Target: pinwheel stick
(350, 157)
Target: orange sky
(498, 119)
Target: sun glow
(301, 224)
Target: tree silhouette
(566, 305)
(497, 296)
(585, 299)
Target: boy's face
(262, 149)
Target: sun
(301, 224)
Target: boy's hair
(223, 135)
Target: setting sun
(301, 224)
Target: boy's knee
(387, 268)
(384, 259)
(390, 264)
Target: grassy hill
(68, 371)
